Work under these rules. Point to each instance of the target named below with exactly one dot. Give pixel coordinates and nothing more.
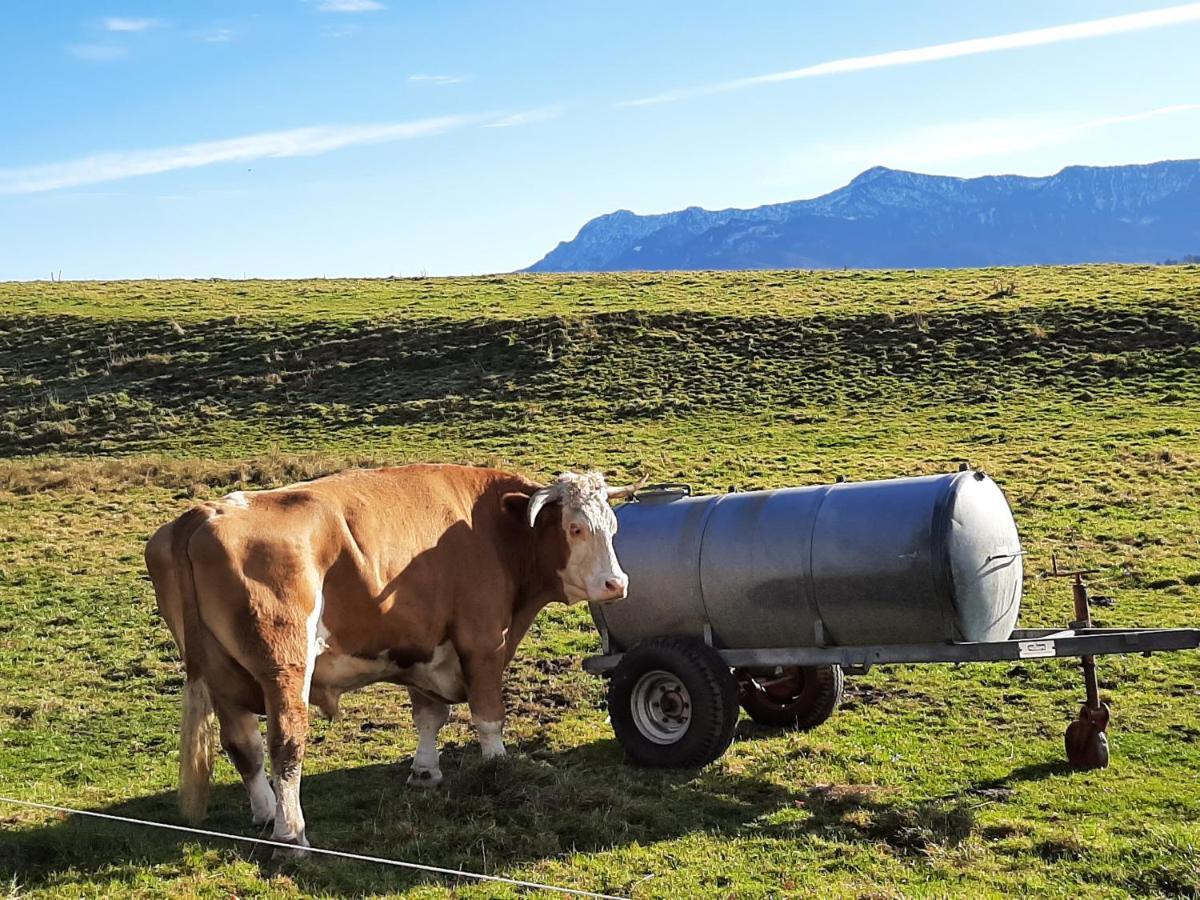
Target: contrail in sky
(1158, 18)
(325, 138)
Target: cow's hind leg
(429, 716)
(287, 730)
(286, 681)
(242, 743)
(267, 619)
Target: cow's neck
(539, 586)
(523, 615)
(531, 601)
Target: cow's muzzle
(612, 589)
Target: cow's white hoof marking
(425, 778)
(262, 801)
(491, 742)
(263, 818)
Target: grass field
(1077, 388)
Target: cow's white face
(591, 572)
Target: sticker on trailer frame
(1035, 649)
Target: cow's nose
(615, 587)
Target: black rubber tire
(712, 690)
(819, 696)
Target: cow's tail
(198, 732)
(197, 750)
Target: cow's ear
(516, 505)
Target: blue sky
(228, 138)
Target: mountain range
(889, 218)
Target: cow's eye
(575, 530)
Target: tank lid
(664, 492)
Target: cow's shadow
(487, 816)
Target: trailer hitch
(1086, 741)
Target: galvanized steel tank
(905, 560)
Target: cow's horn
(620, 493)
(539, 499)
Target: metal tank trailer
(765, 600)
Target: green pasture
(1077, 388)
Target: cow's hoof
(297, 850)
(262, 808)
(425, 778)
(262, 800)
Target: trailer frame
(1025, 643)
(1086, 742)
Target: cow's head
(590, 570)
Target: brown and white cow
(426, 576)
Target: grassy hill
(1077, 388)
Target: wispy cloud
(118, 24)
(999, 137)
(349, 6)
(439, 79)
(339, 31)
(269, 145)
(1037, 37)
(97, 52)
(216, 35)
(528, 117)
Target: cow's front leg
(491, 736)
(485, 696)
(429, 716)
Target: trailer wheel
(800, 697)
(673, 703)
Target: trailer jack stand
(1087, 744)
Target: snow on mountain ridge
(1081, 214)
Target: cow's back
(420, 546)
(398, 551)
